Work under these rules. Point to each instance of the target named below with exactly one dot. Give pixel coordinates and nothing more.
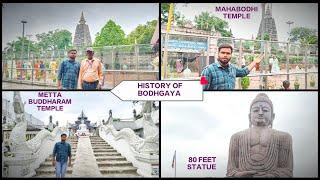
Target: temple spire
(82, 20)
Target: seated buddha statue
(260, 150)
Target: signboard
(181, 45)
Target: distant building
(82, 119)
(267, 24)
(82, 36)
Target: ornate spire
(82, 20)
(268, 11)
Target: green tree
(182, 21)
(303, 35)
(142, 33)
(111, 34)
(207, 22)
(15, 47)
(53, 40)
(165, 11)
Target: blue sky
(43, 17)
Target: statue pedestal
(19, 166)
(150, 146)
(148, 164)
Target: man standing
(270, 63)
(222, 74)
(61, 152)
(90, 76)
(69, 72)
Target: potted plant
(296, 84)
(245, 82)
(54, 79)
(312, 81)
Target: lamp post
(289, 23)
(22, 62)
(29, 37)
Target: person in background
(286, 85)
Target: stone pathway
(85, 164)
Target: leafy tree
(15, 47)
(303, 35)
(207, 22)
(182, 21)
(165, 11)
(142, 33)
(53, 40)
(111, 34)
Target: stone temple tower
(82, 36)
(267, 24)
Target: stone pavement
(85, 164)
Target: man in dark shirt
(61, 152)
(222, 74)
(69, 71)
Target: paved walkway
(85, 164)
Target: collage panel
(265, 53)
(241, 134)
(76, 134)
(261, 46)
(78, 46)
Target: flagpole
(175, 165)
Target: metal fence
(124, 62)
(282, 61)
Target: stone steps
(104, 150)
(118, 170)
(107, 154)
(104, 147)
(109, 158)
(100, 143)
(122, 175)
(110, 161)
(50, 170)
(49, 163)
(113, 163)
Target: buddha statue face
(261, 112)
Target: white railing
(24, 164)
(131, 146)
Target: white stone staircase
(46, 168)
(110, 162)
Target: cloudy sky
(95, 106)
(302, 14)
(205, 128)
(43, 17)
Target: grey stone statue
(260, 151)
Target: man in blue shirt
(61, 152)
(69, 72)
(222, 74)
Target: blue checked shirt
(61, 151)
(68, 74)
(222, 77)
